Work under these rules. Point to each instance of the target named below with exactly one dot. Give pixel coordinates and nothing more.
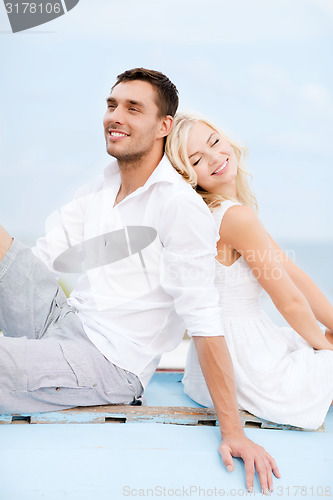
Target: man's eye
(111, 106)
(133, 109)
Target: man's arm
(188, 234)
(64, 228)
(217, 368)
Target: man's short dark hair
(166, 91)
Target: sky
(261, 70)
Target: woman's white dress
(279, 376)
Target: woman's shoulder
(239, 223)
(233, 212)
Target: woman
(282, 374)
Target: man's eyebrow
(140, 104)
(197, 152)
(132, 102)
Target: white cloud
(326, 5)
(317, 96)
(273, 86)
(305, 141)
(190, 21)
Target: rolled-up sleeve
(189, 235)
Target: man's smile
(116, 135)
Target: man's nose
(117, 115)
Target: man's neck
(135, 174)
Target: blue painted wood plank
(84, 462)
(166, 389)
(118, 461)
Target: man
(145, 242)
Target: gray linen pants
(47, 362)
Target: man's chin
(126, 157)
(112, 151)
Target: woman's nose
(213, 157)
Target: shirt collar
(164, 172)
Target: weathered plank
(179, 415)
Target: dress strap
(219, 212)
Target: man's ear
(166, 125)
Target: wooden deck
(167, 448)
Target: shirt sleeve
(64, 229)
(188, 234)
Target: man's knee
(5, 242)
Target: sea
(314, 258)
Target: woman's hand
(329, 335)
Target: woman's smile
(223, 168)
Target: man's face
(131, 123)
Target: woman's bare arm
(242, 231)
(321, 307)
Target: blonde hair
(176, 150)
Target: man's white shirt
(148, 265)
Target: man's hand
(217, 368)
(255, 458)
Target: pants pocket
(69, 369)
(78, 362)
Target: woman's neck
(228, 190)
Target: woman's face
(213, 159)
